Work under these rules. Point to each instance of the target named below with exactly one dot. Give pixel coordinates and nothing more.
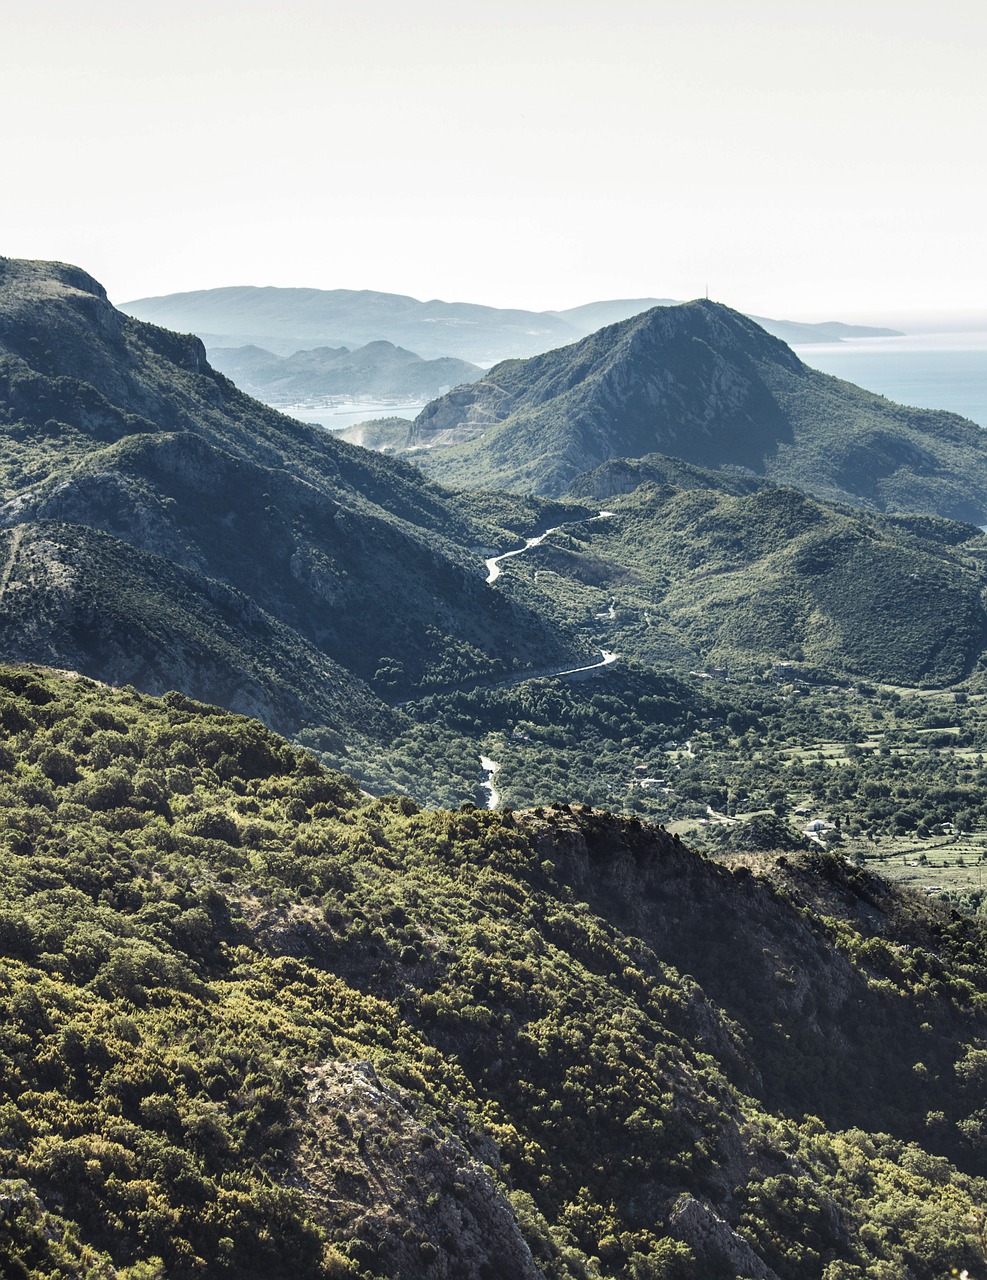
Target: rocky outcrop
(714, 1242)
(795, 984)
(403, 1195)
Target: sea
(925, 370)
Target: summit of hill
(707, 385)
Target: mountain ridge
(707, 385)
(596, 315)
(747, 574)
(118, 426)
(351, 317)
(379, 370)
(277, 318)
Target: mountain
(160, 528)
(163, 528)
(379, 370)
(800, 333)
(596, 315)
(285, 320)
(258, 1025)
(705, 384)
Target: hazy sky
(815, 161)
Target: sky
(802, 161)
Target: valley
(403, 877)
(253, 1018)
(364, 626)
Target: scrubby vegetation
(204, 935)
(710, 578)
(263, 1020)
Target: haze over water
(926, 370)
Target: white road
(490, 767)
(493, 564)
(606, 658)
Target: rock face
(417, 1201)
(708, 386)
(714, 1242)
(654, 888)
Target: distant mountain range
(597, 315)
(707, 385)
(379, 371)
(285, 321)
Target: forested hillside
(761, 574)
(259, 1025)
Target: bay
(927, 371)
(337, 417)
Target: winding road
(606, 659)
(493, 564)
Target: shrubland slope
(750, 574)
(258, 1025)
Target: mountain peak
(703, 383)
(40, 278)
(728, 329)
